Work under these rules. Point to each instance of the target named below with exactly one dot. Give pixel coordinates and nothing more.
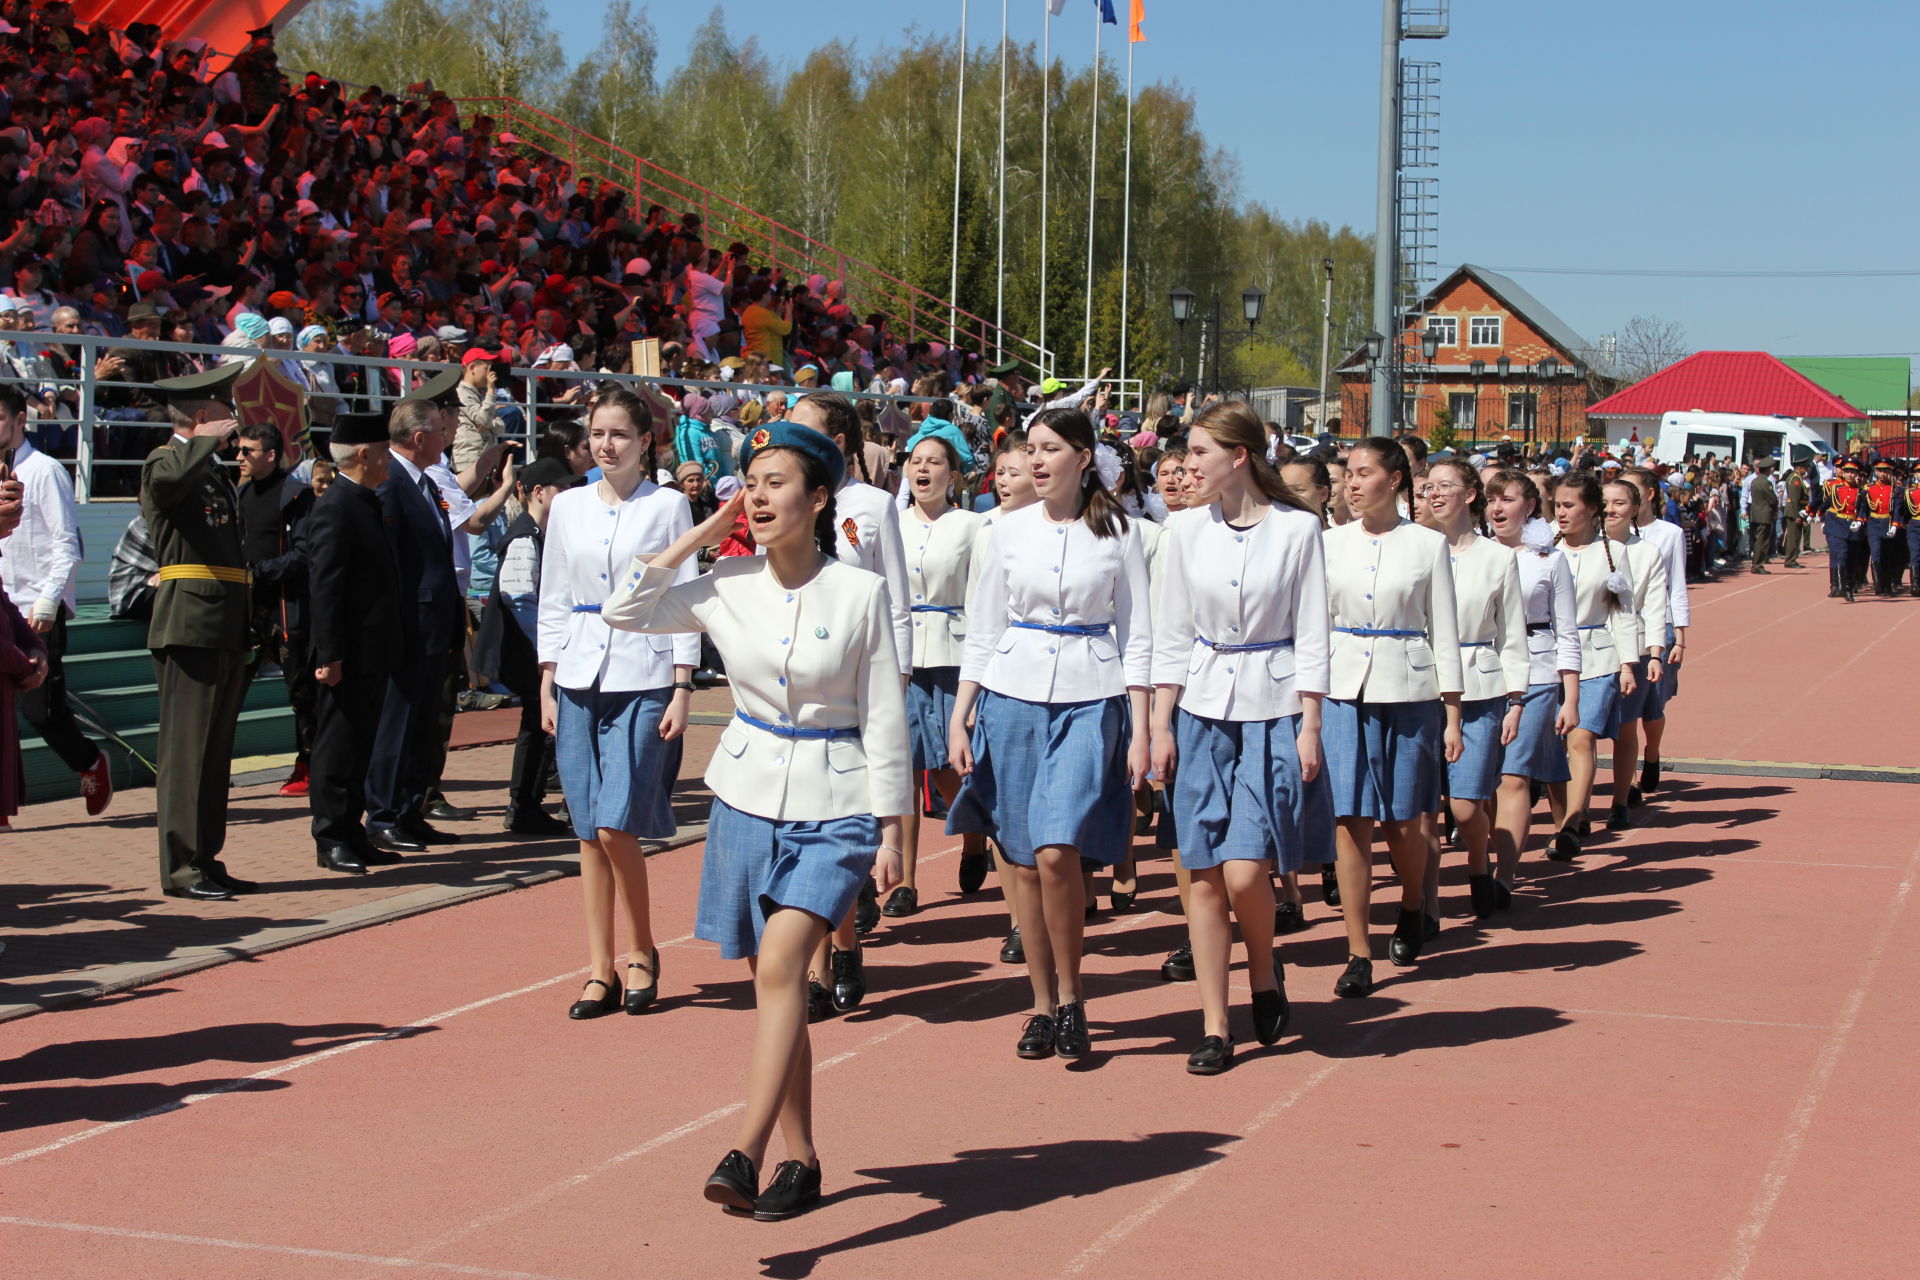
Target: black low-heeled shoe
(607, 1002)
(793, 1189)
(638, 998)
(973, 871)
(1288, 918)
(1564, 847)
(1329, 885)
(1123, 901)
(1036, 1038)
(849, 979)
(734, 1184)
(1403, 948)
(1178, 966)
(866, 909)
(1584, 827)
(1070, 1037)
(1504, 892)
(1356, 981)
(819, 1002)
(1649, 775)
(1635, 797)
(1619, 818)
(1214, 1055)
(1271, 1009)
(1484, 891)
(901, 902)
(1013, 951)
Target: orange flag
(1134, 34)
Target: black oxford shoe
(200, 891)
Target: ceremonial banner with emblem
(263, 393)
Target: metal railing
(925, 316)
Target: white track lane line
(1746, 1242)
(283, 1250)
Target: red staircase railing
(923, 316)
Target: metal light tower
(1401, 20)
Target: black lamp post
(1376, 344)
(1181, 299)
(1252, 299)
(1549, 369)
(1503, 366)
(1478, 369)
(1429, 350)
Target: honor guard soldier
(199, 630)
(1910, 508)
(1885, 522)
(1842, 507)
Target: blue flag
(1106, 12)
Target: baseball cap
(420, 224)
(558, 353)
(453, 333)
(481, 353)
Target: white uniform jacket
(1553, 641)
(1609, 637)
(817, 657)
(1671, 540)
(940, 573)
(1054, 575)
(1650, 589)
(868, 530)
(1396, 581)
(1493, 621)
(588, 544)
(1238, 587)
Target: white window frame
(1448, 327)
(1499, 324)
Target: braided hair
(1587, 489)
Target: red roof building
(1727, 382)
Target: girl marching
(1622, 500)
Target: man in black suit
(356, 638)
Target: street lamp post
(1478, 369)
(1253, 300)
(1429, 350)
(1503, 367)
(1376, 344)
(1181, 299)
(1549, 369)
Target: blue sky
(1677, 134)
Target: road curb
(1782, 769)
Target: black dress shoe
(819, 1002)
(1584, 827)
(1178, 966)
(734, 1184)
(901, 902)
(1036, 1040)
(394, 840)
(1271, 1009)
(1288, 918)
(1404, 947)
(1214, 1055)
(795, 1188)
(638, 998)
(1649, 775)
(1329, 885)
(1356, 981)
(422, 832)
(537, 823)
(1429, 927)
(849, 980)
(1070, 1039)
(1619, 818)
(1484, 891)
(1012, 951)
(1635, 798)
(1503, 895)
(337, 857)
(228, 881)
(866, 910)
(1564, 847)
(200, 891)
(447, 811)
(1122, 901)
(608, 1001)
(973, 871)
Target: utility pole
(1386, 227)
(1326, 337)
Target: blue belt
(1382, 631)
(1591, 626)
(1095, 629)
(586, 608)
(1475, 644)
(952, 609)
(794, 731)
(1258, 646)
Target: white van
(1741, 437)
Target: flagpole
(1046, 103)
(1000, 254)
(1093, 172)
(1126, 219)
(959, 123)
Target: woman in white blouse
(1493, 666)
(1392, 716)
(1609, 623)
(1311, 480)
(809, 781)
(1622, 505)
(1670, 544)
(1059, 638)
(614, 702)
(1240, 646)
(1552, 708)
(939, 540)
(866, 536)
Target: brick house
(1480, 318)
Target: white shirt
(1055, 575)
(588, 543)
(1609, 637)
(1546, 587)
(1493, 621)
(42, 555)
(940, 573)
(1395, 581)
(1670, 543)
(869, 538)
(817, 657)
(1649, 575)
(1234, 586)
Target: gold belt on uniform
(205, 573)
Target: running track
(1689, 1057)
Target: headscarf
(308, 334)
(843, 382)
(941, 429)
(252, 325)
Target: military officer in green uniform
(199, 631)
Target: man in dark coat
(274, 507)
(357, 633)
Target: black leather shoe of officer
(373, 856)
(228, 881)
(537, 823)
(424, 832)
(447, 811)
(200, 891)
(1214, 1055)
(337, 857)
(394, 840)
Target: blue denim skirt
(1600, 705)
(754, 866)
(930, 693)
(1237, 792)
(1666, 688)
(1537, 752)
(1048, 773)
(1476, 774)
(1633, 706)
(614, 766)
(1384, 759)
